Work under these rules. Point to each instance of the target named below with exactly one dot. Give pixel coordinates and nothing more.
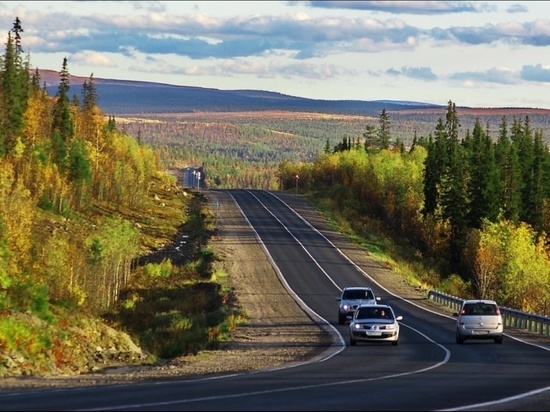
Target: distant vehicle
(374, 323)
(479, 319)
(353, 297)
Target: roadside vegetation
(101, 248)
(466, 215)
(176, 304)
(461, 207)
(87, 219)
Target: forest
(475, 209)
(470, 192)
(465, 198)
(86, 211)
(244, 149)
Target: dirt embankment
(277, 331)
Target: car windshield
(480, 309)
(373, 313)
(358, 294)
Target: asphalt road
(427, 371)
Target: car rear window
(483, 309)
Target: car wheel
(341, 319)
(395, 343)
(459, 339)
(498, 340)
(352, 342)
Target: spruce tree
(62, 122)
(89, 94)
(454, 200)
(434, 169)
(384, 134)
(483, 182)
(507, 161)
(522, 140)
(540, 153)
(370, 138)
(15, 77)
(452, 124)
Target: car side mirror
(399, 318)
(455, 314)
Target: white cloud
(426, 50)
(91, 59)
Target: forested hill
(119, 97)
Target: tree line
(66, 172)
(476, 208)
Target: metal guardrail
(512, 318)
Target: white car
(353, 297)
(374, 323)
(479, 319)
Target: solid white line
(322, 357)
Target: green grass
(180, 308)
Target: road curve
(427, 371)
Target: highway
(427, 371)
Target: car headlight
(392, 326)
(357, 326)
(346, 307)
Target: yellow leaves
(519, 260)
(17, 211)
(34, 119)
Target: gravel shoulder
(277, 332)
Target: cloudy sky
(475, 53)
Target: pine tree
(522, 140)
(14, 85)
(454, 200)
(62, 122)
(507, 161)
(35, 81)
(452, 123)
(17, 30)
(454, 180)
(540, 155)
(384, 134)
(483, 184)
(434, 169)
(327, 147)
(370, 138)
(89, 94)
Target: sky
(473, 53)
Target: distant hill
(122, 97)
(126, 97)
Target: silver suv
(353, 297)
(479, 319)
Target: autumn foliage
(67, 177)
(473, 210)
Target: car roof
(374, 305)
(471, 301)
(357, 288)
